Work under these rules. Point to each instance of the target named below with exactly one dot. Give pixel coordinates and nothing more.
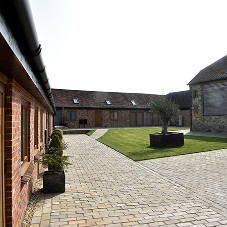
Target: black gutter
(19, 15)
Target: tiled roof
(181, 98)
(215, 71)
(96, 99)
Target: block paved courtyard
(105, 188)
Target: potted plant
(54, 178)
(64, 117)
(168, 112)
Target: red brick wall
(123, 118)
(18, 193)
(122, 121)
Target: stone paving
(204, 173)
(105, 188)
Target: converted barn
(103, 109)
(26, 109)
(112, 109)
(209, 98)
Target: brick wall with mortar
(123, 118)
(200, 122)
(18, 193)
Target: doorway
(2, 180)
(98, 118)
(136, 119)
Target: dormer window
(133, 102)
(108, 102)
(76, 101)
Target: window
(195, 94)
(113, 116)
(108, 102)
(41, 125)
(36, 127)
(76, 101)
(24, 131)
(215, 96)
(68, 115)
(133, 102)
(71, 115)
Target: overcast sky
(136, 46)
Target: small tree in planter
(165, 109)
(168, 112)
(54, 178)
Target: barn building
(26, 109)
(209, 98)
(113, 109)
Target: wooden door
(136, 119)
(133, 119)
(2, 181)
(155, 121)
(149, 119)
(139, 119)
(98, 118)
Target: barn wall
(200, 121)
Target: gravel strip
(33, 201)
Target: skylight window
(76, 101)
(108, 102)
(133, 102)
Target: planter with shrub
(54, 178)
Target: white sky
(138, 46)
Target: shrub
(55, 142)
(58, 132)
(54, 158)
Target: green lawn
(90, 132)
(135, 143)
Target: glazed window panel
(114, 115)
(68, 115)
(71, 115)
(215, 99)
(41, 125)
(24, 131)
(36, 128)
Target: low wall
(76, 131)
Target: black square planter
(53, 182)
(171, 139)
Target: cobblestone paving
(104, 188)
(203, 173)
